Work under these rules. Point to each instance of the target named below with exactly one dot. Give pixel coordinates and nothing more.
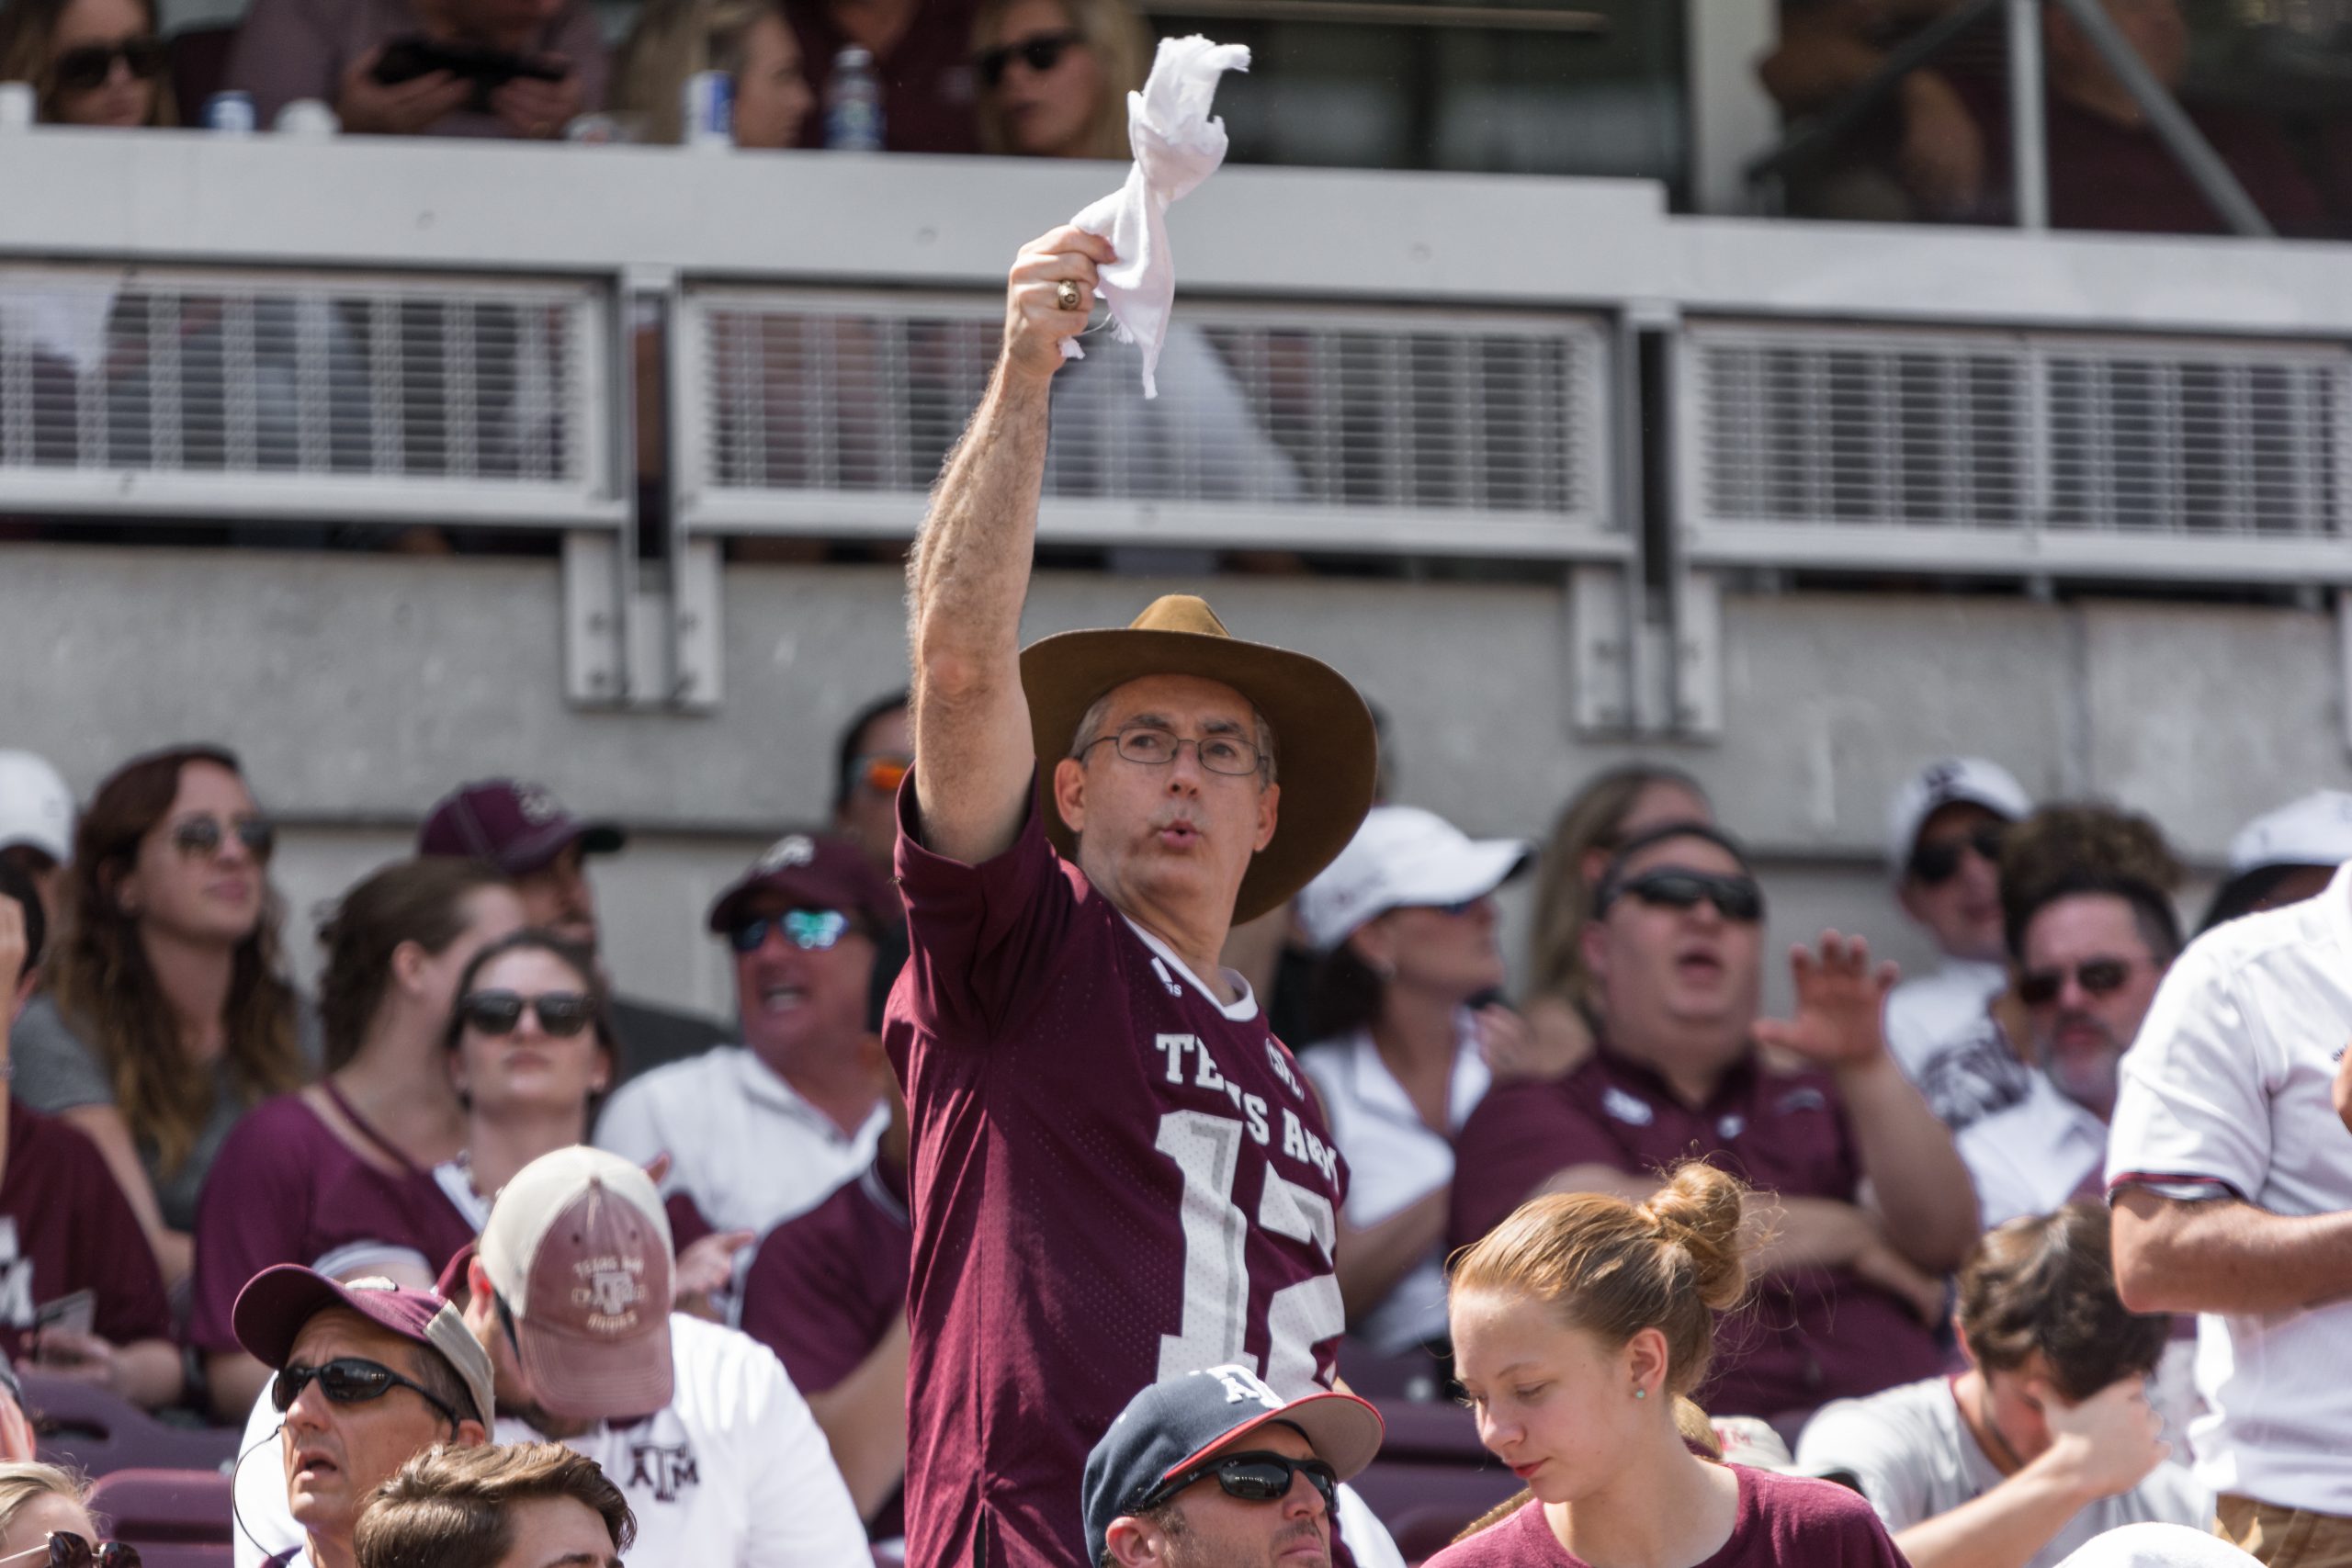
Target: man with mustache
(1119, 1175)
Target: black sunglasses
(348, 1380)
(205, 835)
(561, 1013)
(1935, 863)
(2100, 976)
(79, 70)
(1254, 1477)
(1734, 897)
(1040, 53)
(66, 1550)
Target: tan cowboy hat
(1324, 740)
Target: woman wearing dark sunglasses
(1054, 75)
(95, 63)
(45, 1522)
(167, 1016)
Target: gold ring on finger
(1067, 295)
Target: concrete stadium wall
(358, 688)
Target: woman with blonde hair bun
(1582, 1325)
(749, 39)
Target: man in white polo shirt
(761, 1131)
(2230, 1176)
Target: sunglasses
(561, 1013)
(194, 836)
(348, 1380)
(1933, 865)
(1253, 1478)
(1040, 53)
(810, 930)
(80, 70)
(883, 776)
(2100, 976)
(1734, 897)
(66, 1550)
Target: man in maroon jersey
(1119, 1176)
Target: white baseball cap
(1404, 855)
(2314, 831)
(36, 809)
(1969, 781)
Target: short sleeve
(1521, 1135)
(54, 1070)
(254, 1213)
(630, 1126)
(2192, 1105)
(799, 1507)
(805, 1299)
(982, 939)
(1848, 1437)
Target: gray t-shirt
(56, 1071)
(1916, 1458)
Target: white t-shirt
(735, 1474)
(2033, 1156)
(2226, 1094)
(1916, 1460)
(743, 1143)
(1923, 1013)
(1394, 1160)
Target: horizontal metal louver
(197, 390)
(808, 410)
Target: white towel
(2157, 1546)
(1177, 145)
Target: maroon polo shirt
(1807, 1336)
(927, 81)
(286, 1190)
(825, 1287)
(65, 1226)
(1115, 1181)
(1785, 1521)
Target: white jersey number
(1207, 1149)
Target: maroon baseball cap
(516, 826)
(810, 872)
(271, 1309)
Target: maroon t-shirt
(1785, 1522)
(1807, 1336)
(927, 81)
(286, 1190)
(1113, 1182)
(825, 1287)
(65, 1226)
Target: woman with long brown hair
(91, 63)
(166, 1015)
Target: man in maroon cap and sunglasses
(527, 833)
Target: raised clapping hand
(1841, 1000)
(2110, 1442)
(1040, 313)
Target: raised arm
(970, 568)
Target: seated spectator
(91, 63)
(1214, 1467)
(2086, 893)
(527, 833)
(367, 1376)
(1943, 844)
(79, 1293)
(166, 1018)
(827, 1292)
(749, 39)
(36, 818)
(1581, 1327)
(1848, 1292)
(1409, 1033)
(761, 1131)
(45, 1517)
(515, 1505)
(1055, 75)
(350, 54)
(1612, 809)
(918, 47)
(2047, 1440)
(2284, 857)
(876, 752)
(339, 1176)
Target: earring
(1641, 1393)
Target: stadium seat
(177, 1519)
(1433, 1476)
(97, 1432)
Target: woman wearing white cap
(1405, 921)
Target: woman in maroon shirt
(1580, 1324)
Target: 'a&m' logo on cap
(1242, 1384)
(610, 1288)
(537, 806)
(796, 849)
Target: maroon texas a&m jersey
(1116, 1179)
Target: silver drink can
(708, 111)
(232, 112)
